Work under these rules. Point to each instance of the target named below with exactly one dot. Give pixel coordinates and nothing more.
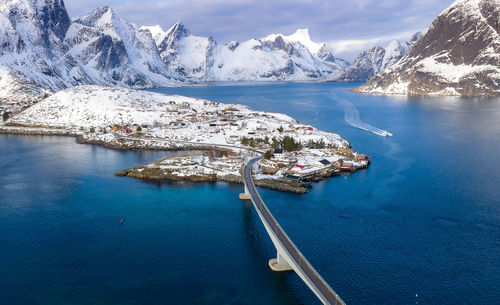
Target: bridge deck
(300, 264)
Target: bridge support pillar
(279, 264)
(245, 195)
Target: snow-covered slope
(275, 57)
(116, 51)
(377, 59)
(183, 52)
(168, 116)
(17, 91)
(42, 46)
(458, 55)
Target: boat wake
(351, 116)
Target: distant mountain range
(42, 50)
(275, 57)
(458, 55)
(377, 59)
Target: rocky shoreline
(152, 174)
(122, 144)
(155, 174)
(36, 131)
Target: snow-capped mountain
(377, 59)
(41, 48)
(275, 57)
(183, 52)
(458, 55)
(117, 51)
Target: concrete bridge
(288, 256)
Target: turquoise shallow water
(422, 220)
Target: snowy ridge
(181, 51)
(301, 36)
(458, 55)
(377, 59)
(41, 46)
(275, 57)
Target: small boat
(386, 134)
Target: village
(293, 153)
(228, 134)
(294, 171)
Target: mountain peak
(301, 36)
(457, 55)
(100, 16)
(394, 44)
(179, 28)
(52, 14)
(415, 37)
(156, 31)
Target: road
(298, 262)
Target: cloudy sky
(347, 26)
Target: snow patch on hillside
(450, 72)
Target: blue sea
(420, 226)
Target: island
(217, 139)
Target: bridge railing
(303, 264)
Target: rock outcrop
(377, 59)
(458, 55)
(42, 50)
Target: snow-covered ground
(132, 119)
(171, 117)
(276, 172)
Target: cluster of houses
(12, 108)
(128, 129)
(232, 122)
(320, 168)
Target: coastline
(162, 176)
(154, 175)
(146, 172)
(295, 154)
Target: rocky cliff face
(183, 52)
(116, 51)
(377, 59)
(458, 55)
(43, 50)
